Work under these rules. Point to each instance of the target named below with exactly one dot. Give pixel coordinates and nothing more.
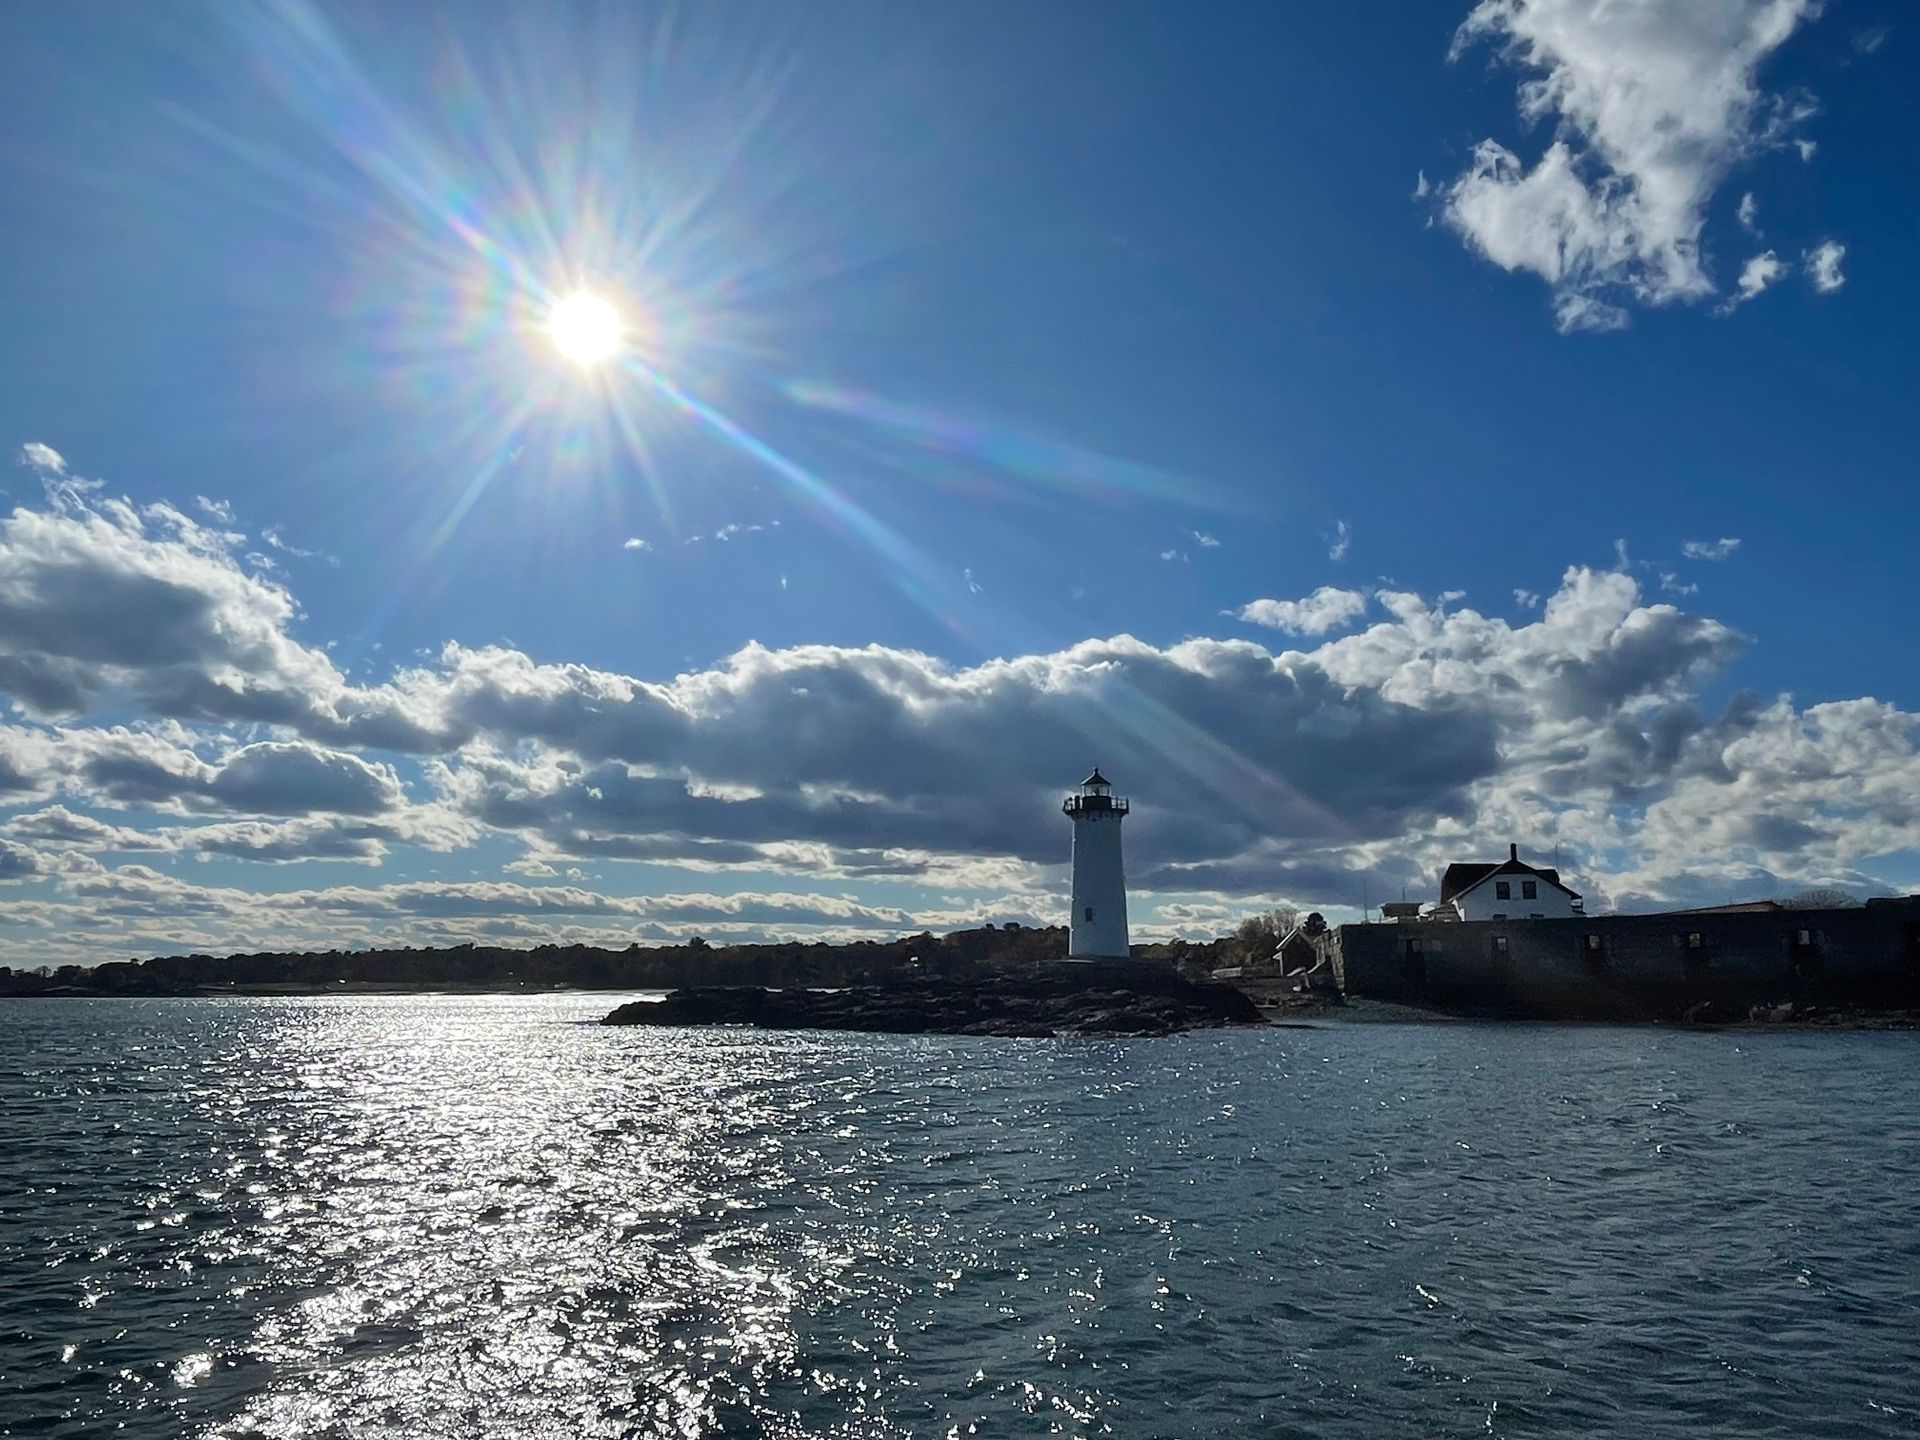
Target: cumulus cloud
(634, 542)
(18, 862)
(141, 890)
(1652, 104)
(1376, 754)
(28, 763)
(1710, 549)
(1806, 794)
(98, 596)
(1823, 266)
(60, 827)
(1749, 214)
(134, 767)
(1328, 608)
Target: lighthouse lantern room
(1097, 928)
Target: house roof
(1462, 876)
(1096, 778)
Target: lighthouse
(1097, 929)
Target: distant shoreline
(985, 951)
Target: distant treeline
(637, 967)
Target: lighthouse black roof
(1096, 778)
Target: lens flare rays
(547, 252)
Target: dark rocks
(1018, 1006)
(1792, 1015)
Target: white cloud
(97, 595)
(1327, 608)
(634, 542)
(1526, 599)
(1342, 538)
(727, 532)
(1710, 549)
(92, 595)
(1175, 554)
(1755, 276)
(221, 510)
(58, 826)
(1671, 584)
(43, 458)
(1749, 214)
(1204, 540)
(1653, 103)
(1823, 266)
(1384, 752)
(20, 862)
(973, 586)
(275, 537)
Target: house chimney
(1513, 851)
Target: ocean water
(472, 1217)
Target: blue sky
(1330, 420)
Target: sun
(586, 328)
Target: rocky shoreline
(1790, 1016)
(1019, 1007)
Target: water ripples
(457, 1216)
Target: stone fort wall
(1639, 965)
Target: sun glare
(585, 328)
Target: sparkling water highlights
(451, 1216)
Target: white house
(1507, 889)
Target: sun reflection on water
(448, 1216)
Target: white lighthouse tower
(1097, 928)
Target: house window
(1529, 890)
(1502, 890)
(1500, 947)
(1806, 953)
(1089, 913)
(1694, 941)
(1499, 914)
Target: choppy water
(453, 1216)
